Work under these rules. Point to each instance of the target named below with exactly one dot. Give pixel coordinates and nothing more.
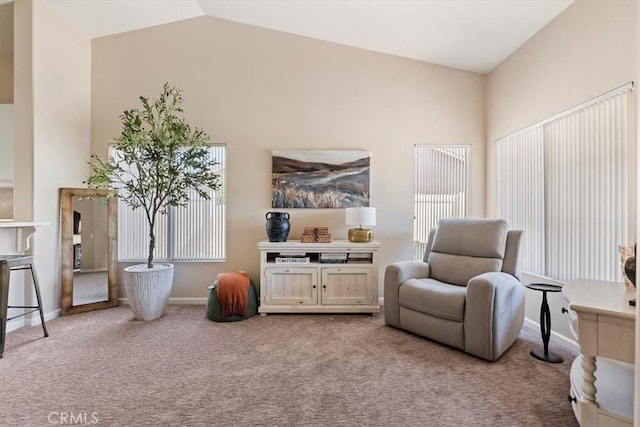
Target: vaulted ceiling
(474, 35)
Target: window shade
(440, 181)
(565, 181)
(196, 232)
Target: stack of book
(292, 258)
(333, 258)
(316, 235)
(360, 257)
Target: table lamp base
(360, 235)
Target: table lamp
(358, 217)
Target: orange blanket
(233, 289)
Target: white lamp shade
(360, 216)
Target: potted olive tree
(158, 161)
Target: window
(440, 186)
(566, 181)
(196, 232)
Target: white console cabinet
(603, 322)
(337, 277)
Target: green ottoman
(214, 308)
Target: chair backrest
(462, 248)
(512, 253)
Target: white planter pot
(148, 289)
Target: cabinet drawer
(344, 285)
(292, 286)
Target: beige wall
(587, 50)
(6, 53)
(52, 104)
(23, 105)
(6, 88)
(23, 124)
(61, 130)
(259, 90)
(6, 79)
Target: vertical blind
(441, 174)
(565, 181)
(521, 193)
(196, 232)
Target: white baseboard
(175, 301)
(14, 324)
(22, 322)
(34, 320)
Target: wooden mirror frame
(66, 238)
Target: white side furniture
(603, 323)
(314, 286)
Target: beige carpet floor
(107, 369)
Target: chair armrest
(394, 275)
(494, 314)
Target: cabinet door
(292, 286)
(342, 286)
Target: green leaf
(161, 158)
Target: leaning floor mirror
(88, 230)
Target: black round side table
(545, 322)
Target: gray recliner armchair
(465, 293)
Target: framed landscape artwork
(320, 179)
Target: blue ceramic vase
(277, 226)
